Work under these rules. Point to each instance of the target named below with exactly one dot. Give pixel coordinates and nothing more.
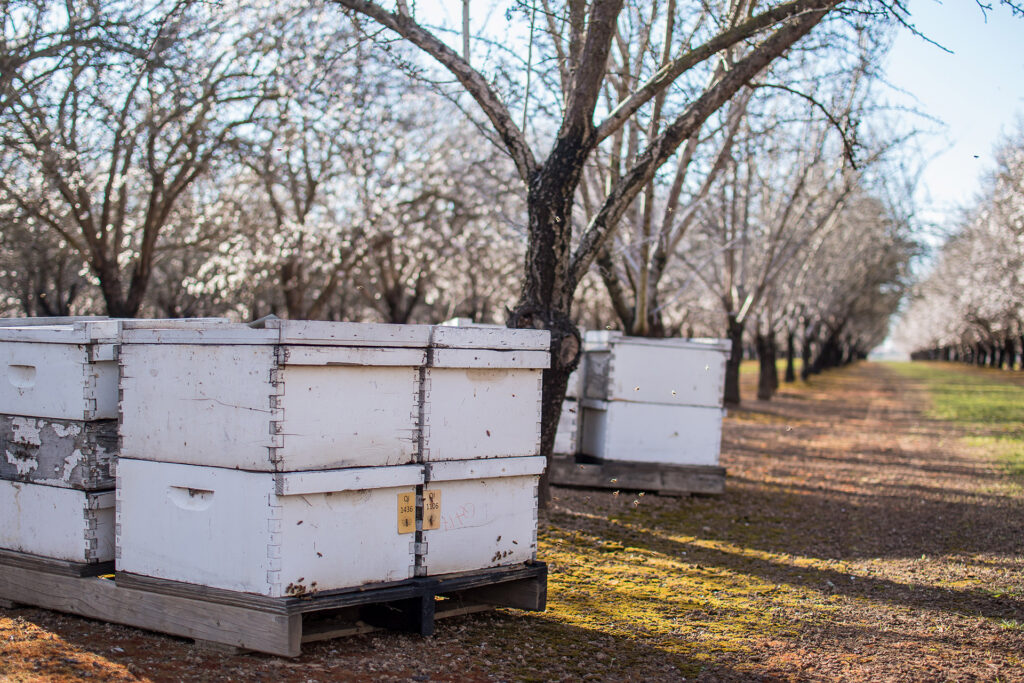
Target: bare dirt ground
(857, 541)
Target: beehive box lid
(603, 340)
(351, 334)
(493, 338)
(289, 332)
(80, 332)
(454, 470)
(90, 330)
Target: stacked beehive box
(643, 414)
(652, 400)
(307, 457)
(58, 434)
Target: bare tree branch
(474, 83)
(662, 147)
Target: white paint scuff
(26, 431)
(24, 466)
(71, 462)
(66, 430)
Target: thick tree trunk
(773, 351)
(767, 379)
(545, 302)
(790, 357)
(731, 395)
(806, 353)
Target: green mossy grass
(984, 402)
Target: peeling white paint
(71, 462)
(23, 465)
(65, 430)
(26, 431)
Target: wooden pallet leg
(528, 594)
(425, 615)
(414, 615)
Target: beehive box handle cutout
(22, 376)
(189, 498)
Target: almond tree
(970, 307)
(581, 35)
(110, 140)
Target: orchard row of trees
(177, 159)
(969, 307)
(714, 169)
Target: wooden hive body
(481, 393)
(668, 371)
(64, 372)
(273, 534)
(651, 432)
(651, 400)
(59, 523)
(280, 399)
(66, 453)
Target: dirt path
(857, 541)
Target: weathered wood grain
(50, 565)
(99, 598)
(66, 453)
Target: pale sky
(977, 92)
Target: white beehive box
(651, 432)
(60, 523)
(303, 395)
(486, 514)
(669, 371)
(65, 453)
(59, 371)
(294, 396)
(567, 436)
(274, 534)
(482, 392)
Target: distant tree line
(970, 306)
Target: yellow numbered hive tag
(407, 512)
(432, 509)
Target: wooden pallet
(662, 478)
(234, 620)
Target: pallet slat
(274, 626)
(637, 476)
(199, 619)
